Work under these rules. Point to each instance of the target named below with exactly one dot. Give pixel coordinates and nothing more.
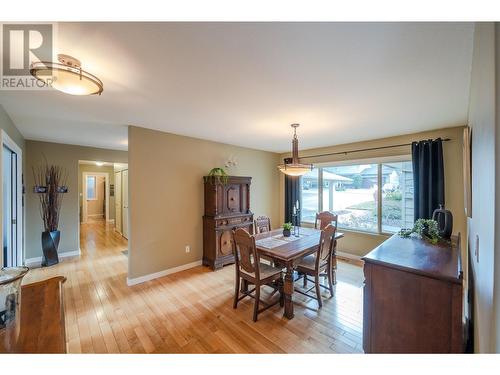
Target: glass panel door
(9, 182)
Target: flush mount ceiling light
(67, 76)
(295, 168)
(99, 163)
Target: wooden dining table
(287, 252)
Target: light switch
(476, 248)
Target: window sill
(349, 230)
(358, 231)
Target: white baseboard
(30, 262)
(348, 255)
(151, 276)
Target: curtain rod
(362, 150)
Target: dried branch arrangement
(50, 184)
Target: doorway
(103, 191)
(95, 197)
(12, 202)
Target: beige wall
(9, 127)
(102, 169)
(482, 223)
(496, 285)
(166, 194)
(358, 243)
(66, 156)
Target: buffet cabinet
(227, 207)
(413, 298)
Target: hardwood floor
(191, 311)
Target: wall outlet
(188, 249)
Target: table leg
(288, 290)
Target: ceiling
(245, 83)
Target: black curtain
(292, 194)
(428, 177)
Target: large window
(397, 196)
(310, 196)
(353, 193)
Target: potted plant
(426, 229)
(287, 227)
(217, 175)
(50, 186)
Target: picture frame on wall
(467, 162)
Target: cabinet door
(232, 198)
(225, 244)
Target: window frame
(87, 188)
(379, 162)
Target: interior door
(125, 203)
(118, 202)
(12, 248)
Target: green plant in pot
(217, 175)
(287, 229)
(425, 229)
(50, 185)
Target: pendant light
(295, 168)
(67, 76)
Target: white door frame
(7, 141)
(118, 218)
(84, 193)
(125, 215)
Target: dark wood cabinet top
(420, 257)
(213, 180)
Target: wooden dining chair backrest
(326, 245)
(262, 224)
(324, 218)
(245, 253)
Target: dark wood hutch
(227, 206)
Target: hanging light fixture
(295, 168)
(67, 76)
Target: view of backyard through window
(351, 192)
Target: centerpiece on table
(287, 229)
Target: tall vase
(50, 243)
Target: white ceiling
(245, 83)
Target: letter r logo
(24, 43)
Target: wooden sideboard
(413, 298)
(227, 206)
(42, 317)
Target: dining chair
(324, 218)
(320, 264)
(250, 270)
(262, 224)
